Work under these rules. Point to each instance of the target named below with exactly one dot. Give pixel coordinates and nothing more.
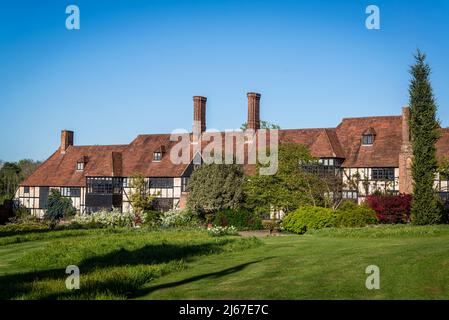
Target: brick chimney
(117, 164)
(66, 140)
(199, 115)
(405, 155)
(253, 111)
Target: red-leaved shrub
(391, 208)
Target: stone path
(259, 233)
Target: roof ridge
(371, 117)
(292, 129)
(100, 145)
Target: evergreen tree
(214, 187)
(424, 131)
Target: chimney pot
(253, 111)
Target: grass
(113, 263)
(328, 264)
(138, 264)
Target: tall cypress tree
(424, 131)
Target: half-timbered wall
(361, 182)
(31, 198)
(167, 188)
(168, 191)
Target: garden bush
(58, 207)
(305, 218)
(391, 208)
(179, 218)
(106, 218)
(240, 218)
(21, 228)
(150, 219)
(349, 214)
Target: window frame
(79, 166)
(104, 185)
(350, 194)
(370, 138)
(381, 174)
(160, 182)
(157, 156)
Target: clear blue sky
(134, 66)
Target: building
(369, 153)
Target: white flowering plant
(106, 218)
(218, 231)
(179, 218)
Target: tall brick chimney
(199, 115)
(253, 111)
(406, 155)
(66, 140)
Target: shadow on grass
(15, 285)
(212, 275)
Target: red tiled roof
(138, 157)
(384, 152)
(344, 141)
(60, 169)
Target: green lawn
(113, 263)
(327, 264)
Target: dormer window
(157, 156)
(80, 166)
(158, 153)
(81, 163)
(368, 137)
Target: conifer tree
(424, 131)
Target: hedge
(242, 219)
(350, 214)
(302, 219)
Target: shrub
(215, 187)
(150, 218)
(350, 214)
(305, 218)
(222, 231)
(242, 219)
(179, 218)
(391, 208)
(105, 218)
(58, 207)
(21, 228)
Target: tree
(290, 187)
(263, 125)
(215, 187)
(140, 197)
(11, 174)
(58, 207)
(424, 132)
(27, 167)
(9, 180)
